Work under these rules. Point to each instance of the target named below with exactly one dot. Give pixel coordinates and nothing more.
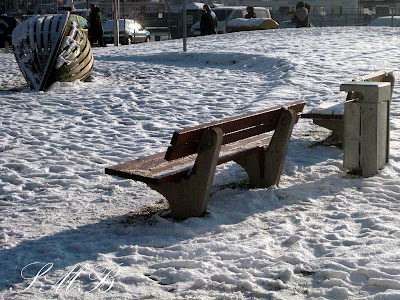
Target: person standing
(96, 33)
(250, 12)
(208, 21)
(301, 16)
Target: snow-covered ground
(321, 234)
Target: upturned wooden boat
(50, 48)
(241, 24)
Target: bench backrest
(376, 77)
(186, 141)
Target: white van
(227, 13)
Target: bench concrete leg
(264, 168)
(188, 197)
(336, 126)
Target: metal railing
(348, 19)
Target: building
(128, 8)
(21, 6)
(131, 8)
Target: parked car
(7, 25)
(227, 13)
(287, 24)
(390, 21)
(129, 32)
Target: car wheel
(128, 40)
(147, 39)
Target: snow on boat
(241, 24)
(50, 48)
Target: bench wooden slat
(185, 142)
(376, 77)
(183, 136)
(191, 148)
(155, 169)
(228, 125)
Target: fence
(173, 21)
(338, 19)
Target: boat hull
(50, 48)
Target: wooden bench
(330, 115)
(184, 174)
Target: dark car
(7, 25)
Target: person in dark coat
(96, 34)
(301, 16)
(208, 21)
(250, 12)
(306, 5)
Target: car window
(237, 14)
(131, 26)
(222, 14)
(108, 25)
(121, 24)
(260, 13)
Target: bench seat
(156, 169)
(329, 110)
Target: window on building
(319, 10)
(284, 10)
(336, 10)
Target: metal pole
(134, 30)
(169, 26)
(6, 47)
(226, 20)
(116, 22)
(184, 25)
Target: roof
(195, 5)
(236, 7)
(390, 21)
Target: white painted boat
(50, 48)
